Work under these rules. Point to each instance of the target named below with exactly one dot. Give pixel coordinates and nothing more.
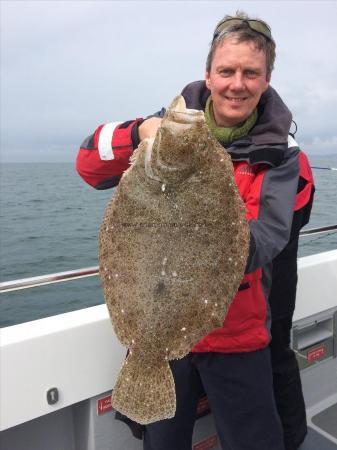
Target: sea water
(50, 222)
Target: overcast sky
(67, 67)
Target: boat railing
(42, 280)
(60, 277)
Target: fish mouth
(177, 112)
(178, 104)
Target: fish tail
(144, 393)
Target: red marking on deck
(202, 405)
(206, 444)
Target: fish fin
(137, 152)
(147, 160)
(144, 393)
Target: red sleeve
(304, 196)
(105, 155)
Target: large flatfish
(173, 247)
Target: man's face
(237, 79)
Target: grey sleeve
(270, 232)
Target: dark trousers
(239, 388)
(287, 384)
(282, 297)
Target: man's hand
(149, 127)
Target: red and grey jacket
(267, 171)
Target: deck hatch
(315, 340)
(327, 420)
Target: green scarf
(227, 135)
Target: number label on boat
(104, 405)
(316, 353)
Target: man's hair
(242, 32)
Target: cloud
(319, 146)
(68, 66)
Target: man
(232, 364)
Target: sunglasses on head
(255, 25)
